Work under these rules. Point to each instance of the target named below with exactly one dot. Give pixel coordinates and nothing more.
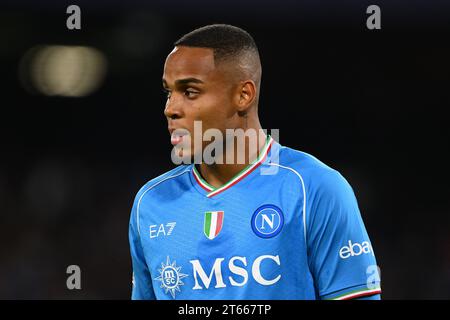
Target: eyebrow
(184, 81)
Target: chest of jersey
(233, 245)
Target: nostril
(171, 112)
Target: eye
(190, 93)
(167, 93)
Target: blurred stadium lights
(68, 71)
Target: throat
(218, 175)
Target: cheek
(214, 109)
(217, 108)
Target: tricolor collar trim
(241, 175)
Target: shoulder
(163, 180)
(328, 194)
(317, 176)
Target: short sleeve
(341, 257)
(142, 281)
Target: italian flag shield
(213, 223)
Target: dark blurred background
(82, 128)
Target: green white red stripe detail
(249, 169)
(205, 185)
(213, 223)
(358, 294)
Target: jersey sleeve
(341, 257)
(142, 281)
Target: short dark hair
(227, 41)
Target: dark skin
(222, 96)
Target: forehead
(185, 62)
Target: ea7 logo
(161, 229)
(355, 249)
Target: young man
(278, 225)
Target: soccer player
(279, 225)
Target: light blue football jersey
(286, 227)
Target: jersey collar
(211, 191)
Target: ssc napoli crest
(267, 221)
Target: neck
(219, 174)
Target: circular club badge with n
(213, 223)
(267, 221)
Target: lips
(176, 135)
(175, 139)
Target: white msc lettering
(256, 270)
(216, 271)
(355, 249)
(238, 270)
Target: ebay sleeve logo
(355, 249)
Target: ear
(246, 95)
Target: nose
(172, 109)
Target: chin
(187, 156)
